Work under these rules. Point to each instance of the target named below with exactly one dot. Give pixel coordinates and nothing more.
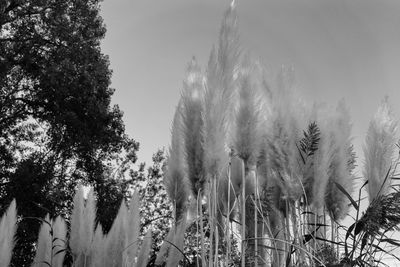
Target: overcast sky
(340, 49)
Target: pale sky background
(340, 49)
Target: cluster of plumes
(89, 245)
(232, 109)
(198, 148)
(379, 151)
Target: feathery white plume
(229, 47)
(89, 218)
(8, 226)
(247, 133)
(322, 160)
(339, 172)
(76, 239)
(215, 119)
(98, 252)
(175, 178)
(192, 125)
(59, 241)
(117, 237)
(220, 88)
(379, 150)
(44, 245)
(287, 118)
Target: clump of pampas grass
(120, 247)
(8, 227)
(379, 150)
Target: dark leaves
(309, 143)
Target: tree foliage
(57, 125)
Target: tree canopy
(57, 124)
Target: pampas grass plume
(336, 202)
(8, 226)
(117, 238)
(59, 241)
(286, 120)
(215, 117)
(322, 159)
(82, 224)
(247, 134)
(229, 47)
(89, 218)
(379, 150)
(76, 239)
(43, 255)
(192, 125)
(176, 171)
(97, 253)
(221, 77)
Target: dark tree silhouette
(57, 126)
